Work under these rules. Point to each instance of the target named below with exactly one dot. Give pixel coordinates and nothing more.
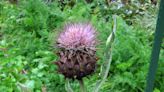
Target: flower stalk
(108, 57)
(67, 86)
(82, 87)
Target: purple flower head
(77, 35)
(77, 51)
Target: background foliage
(29, 27)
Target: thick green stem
(82, 88)
(67, 86)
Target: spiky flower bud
(77, 50)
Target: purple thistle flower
(77, 35)
(77, 50)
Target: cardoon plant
(77, 52)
